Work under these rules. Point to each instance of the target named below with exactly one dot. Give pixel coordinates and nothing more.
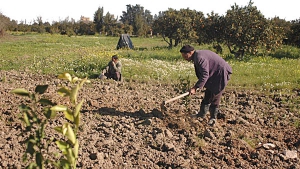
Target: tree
(293, 37)
(244, 29)
(109, 24)
(138, 18)
(210, 29)
(128, 15)
(274, 33)
(13, 25)
(55, 27)
(127, 29)
(177, 26)
(140, 27)
(98, 19)
(47, 26)
(149, 21)
(66, 27)
(4, 22)
(86, 28)
(38, 25)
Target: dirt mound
(123, 126)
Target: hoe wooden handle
(177, 97)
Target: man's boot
(203, 110)
(214, 111)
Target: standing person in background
(213, 74)
(113, 69)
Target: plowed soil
(123, 126)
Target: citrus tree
(294, 35)
(246, 29)
(243, 29)
(177, 26)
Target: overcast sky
(56, 10)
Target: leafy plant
(297, 123)
(200, 142)
(36, 115)
(251, 142)
(184, 86)
(3, 79)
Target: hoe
(163, 105)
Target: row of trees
(243, 29)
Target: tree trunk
(237, 54)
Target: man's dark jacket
(213, 71)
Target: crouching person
(112, 70)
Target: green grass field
(150, 60)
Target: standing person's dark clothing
(213, 73)
(113, 69)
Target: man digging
(213, 74)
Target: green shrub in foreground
(36, 115)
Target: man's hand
(192, 91)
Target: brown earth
(122, 126)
